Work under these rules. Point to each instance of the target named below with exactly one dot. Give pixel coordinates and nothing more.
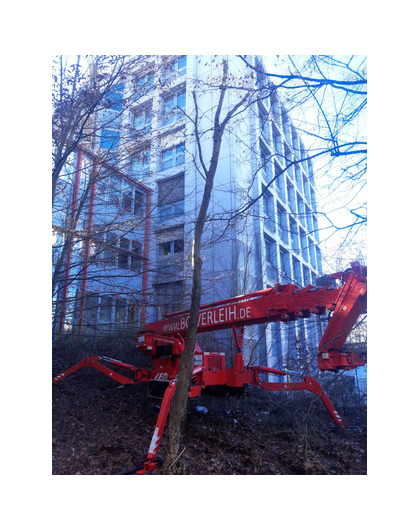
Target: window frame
(174, 156)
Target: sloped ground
(102, 428)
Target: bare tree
(327, 97)
(91, 149)
(96, 92)
(78, 91)
(208, 172)
(333, 136)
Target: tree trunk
(179, 402)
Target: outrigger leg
(138, 375)
(308, 383)
(151, 463)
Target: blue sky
(335, 196)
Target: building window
(294, 235)
(165, 249)
(105, 311)
(110, 251)
(268, 209)
(171, 210)
(113, 99)
(123, 254)
(175, 68)
(111, 118)
(312, 254)
(126, 204)
(171, 255)
(306, 189)
(265, 165)
(171, 197)
(287, 153)
(113, 190)
(291, 196)
(109, 140)
(146, 83)
(309, 220)
(285, 265)
(316, 232)
(169, 248)
(173, 107)
(306, 276)
(278, 145)
(169, 297)
(304, 246)
(172, 157)
(297, 272)
(91, 308)
(133, 313)
(178, 246)
(140, 163)
(136, 257)
(271, 258)
(301, 210)
(120, 310)
(138, 204)
(264, 125)
(269, 251)
(126, 199)
(282, 224)
(130, 259)
(143, 120)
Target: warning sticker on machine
(198, 360)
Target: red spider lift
(164, 341)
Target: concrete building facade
(262, 225)
(100, 248)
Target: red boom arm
(351, 303)
(164, 340)
(281, 303)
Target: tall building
(262, 227)
(100, 249)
